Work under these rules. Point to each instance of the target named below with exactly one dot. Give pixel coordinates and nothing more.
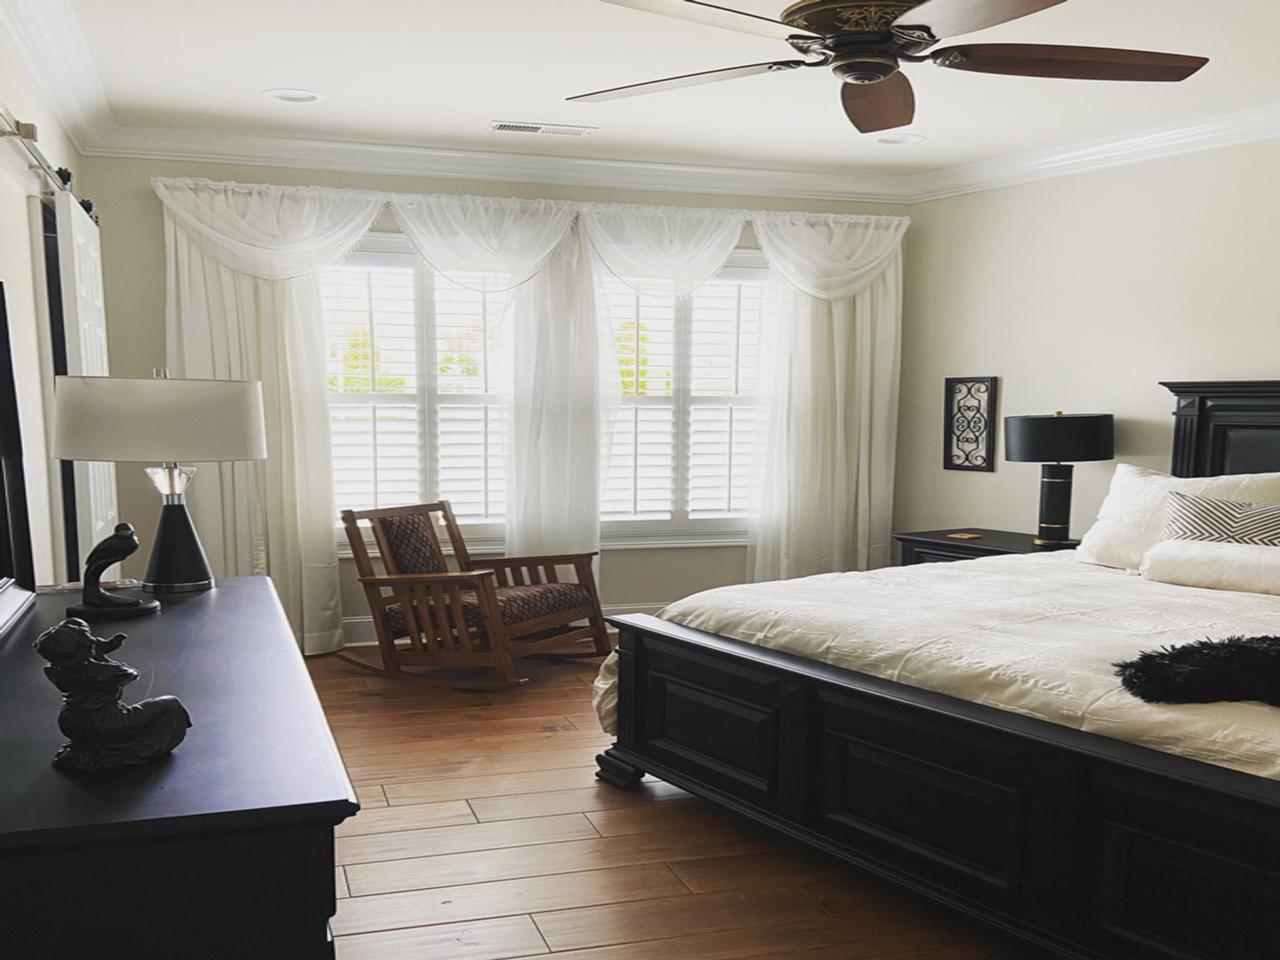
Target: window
(683, 441)
(414, 360)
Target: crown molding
(398, 159)
(49, 37)
(1247, 125)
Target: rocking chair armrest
(406, 579)
(561, 558)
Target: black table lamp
(167, 422)
(1058, 442)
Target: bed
(1046, 802)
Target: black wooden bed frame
(1089, 846)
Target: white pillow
(1242, 567)
(1133, 516)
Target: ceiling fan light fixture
(864, 68)
(293, 95)
(902, 139)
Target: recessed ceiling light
(900, 139)
(292, 95)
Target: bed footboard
(1089, 846)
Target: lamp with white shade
(171, 423)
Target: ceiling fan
(865, 42)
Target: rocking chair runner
(478, 616)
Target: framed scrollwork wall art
(971, 416)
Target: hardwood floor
(484, 835)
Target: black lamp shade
(1072, 438)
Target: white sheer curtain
(560, 404)
(827, 485)
(678, 244)
(557, 399)
(243, 302)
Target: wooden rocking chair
(426, 615)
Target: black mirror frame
(17, 568)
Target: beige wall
(1081, 294)
(133, 256)
(18, 95)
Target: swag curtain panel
(679, 245)
(826, 501)
(243, 302)
(556, 398)
(563, 385)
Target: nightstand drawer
(913, 554)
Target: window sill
(488, 546)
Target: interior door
(85, 330)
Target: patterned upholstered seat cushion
(395, 621)
(516, 604)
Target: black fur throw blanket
(1239, 668)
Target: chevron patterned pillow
(1222, 521)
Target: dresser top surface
(259, 750)
(996, 541)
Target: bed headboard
(1226, 426)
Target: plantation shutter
(371, 336)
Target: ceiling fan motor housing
(831, 17)
(861, 41)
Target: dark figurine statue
(103, 733)
(96, 603)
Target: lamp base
(178, 563)
(1050, 545)
(93, 614)
(1055, 504)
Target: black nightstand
(935, 546)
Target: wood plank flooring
(484, 835)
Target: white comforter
(1036, 635)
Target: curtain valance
(683, 245)
(460, 234)
(276, 232)
(826, 257)
(269, 232)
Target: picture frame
(17, 568)
(971, 414)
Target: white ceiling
(435, 73)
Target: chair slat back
(409, 537)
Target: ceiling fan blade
(688, 80)
(1068, 63)
(951, 18)
(879, 106)
(716, 16)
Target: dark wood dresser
(223, 850)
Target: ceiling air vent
(547, 129)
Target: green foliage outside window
(455, 360)
(639, 376)
(358, 360)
